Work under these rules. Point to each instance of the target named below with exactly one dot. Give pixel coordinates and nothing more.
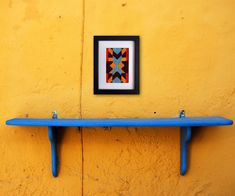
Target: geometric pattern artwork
(117, 63)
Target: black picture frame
(136, 89)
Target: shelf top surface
(123, 122)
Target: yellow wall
(46, 64)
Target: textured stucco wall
(46, 63)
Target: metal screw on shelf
(54, 115)
(182, 114)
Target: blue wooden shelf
(122, 122)
(183, 122)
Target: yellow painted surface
(187, 56)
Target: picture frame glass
(116, 65)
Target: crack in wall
(82, 50)
(81, 130)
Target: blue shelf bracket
(52, 138)
(185, 137)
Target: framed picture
(116, 64)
